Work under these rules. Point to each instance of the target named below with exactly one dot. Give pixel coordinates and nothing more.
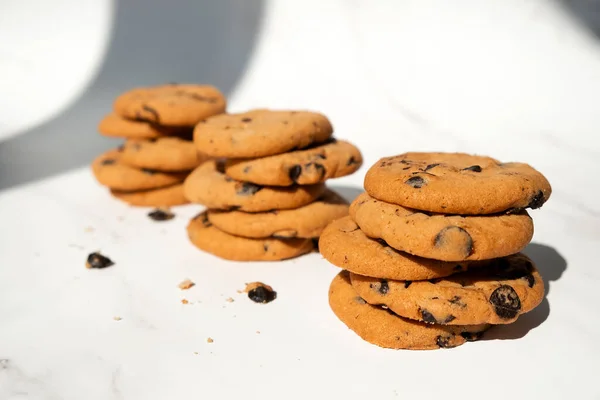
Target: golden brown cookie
(206, 237)
(209, 186)
(113, 125)
(343, 244)
(456, 183)
(439, 236)
(386, 329)
(171, 105)
(110, 171)
(495, 294)
(304, 222)
(260, 133)
(163, 154)
(161, 197)
(304, 167)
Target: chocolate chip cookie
(456, 183)
(208, 185)
(304, 222)
(171, 105)
(343, 244)
(114, 125)
(161, 197)
(208, 238)
(110, 171)
(439, 236)
(495, 294)
(385, 329)
(304, 167)
(163, 154)
(260, 133)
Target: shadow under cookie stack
(264, 186)
(158, 154)
(431, 251)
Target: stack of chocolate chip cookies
(157, 125)
(264, 186)
(431, 251)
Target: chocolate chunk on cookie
(161, 197)
(260, 133)
(207, 185)
(208, 238)
(343, 244)
(304, 167)
(171, 105)
(304, 222)
(163, 154)
(495, 293)
(113, 125)
(386, 329)
(439, 236)
(110, 171)
(456, 183)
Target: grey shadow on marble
(586, 12)
(152, 42)
(347, 192)
(551, 265)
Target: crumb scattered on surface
(209, 340)
(161, 214)
(240, 291)
(258, 292)
(97, 260)
(184, 301)
(254, 285)
(117, 318)
(186, 284)
(258, 332)
(229, 300)
(88, 229)
(196, 353)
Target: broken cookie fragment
(258, 292)
(186, 284)
(97, 260)
(161, 214)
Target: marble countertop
(525, 88)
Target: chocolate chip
(448, 236)
(204, 219)
(247, 189)
(530, 280)
(456, 300)
(360, 300)
(427, 317)
(261, 294)
(382, 286)
(351, 161)
(321, 156)
(506, 302)
(449, 319)
(155, 117)
(434, 298)
(220, 166)
(471, 336)
(416, 181)
(319, 167)
(97, 260)
(247, 169)
(537, 201)
(474, 168)
(108, 161)
(444, 342)
(407, 284)
(161, 214)
(266, 247)
(246, 119)
(430, 166)
(294, 172)
(457, 268)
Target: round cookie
(163, 154)
(171, 105)
(260, 133)
(209, 186)
(439, 236)
(113, 125)
(383, 328)
(304, 167)
(161, 197)
(343, 244)
(303, 222)
(456, 183)
(110, 171)
(495, 294)
(208, 238)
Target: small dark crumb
(161, 214)
(258, 292)
(246, 119)
(97, 260)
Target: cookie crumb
(209, 340)
(161, 214)
(258, 332)
(117, 318)
(258, 292)
(97, 260)
(229, 300)
(240, 291)
(196, 353)
(186, 284)
(184, 301)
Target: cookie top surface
(343, 244)
(386, 329)
(162, 197)
(439, 236)
(305, 222)
(209, 186)
(113, 125)
(163, 154)
(495, 294)
(110, 171)
(334, 159)
(208, 238)
(260, 133)
(456, 183)
(171, 105)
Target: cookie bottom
(162, 197)
(383, 328)
(208, 238)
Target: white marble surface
(514, 80)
